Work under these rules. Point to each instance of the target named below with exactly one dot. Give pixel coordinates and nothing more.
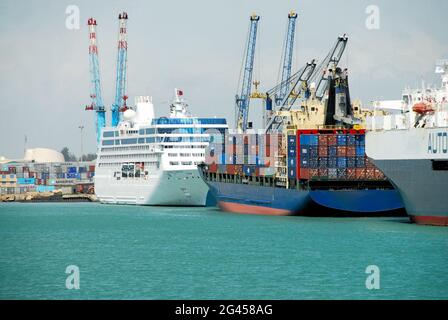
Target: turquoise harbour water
(128, 252)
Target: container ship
(411, 148)
(324, 167)
(317, 160)
(153, 161)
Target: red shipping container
(323, 151)
(323, 172)
(379, 175)
(213, 168)
(342, 151)
(351, 173)
(332, 139)
(360, 173)
(314, 173)
(370, 174)
(239, 168)
(351, 151)
(230, 168)
(323, 140)
(304, 173)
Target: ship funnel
(144, 110)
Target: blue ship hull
(252, 199)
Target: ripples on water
(127, 252)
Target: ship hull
(359, 201)
(423, 190)
(169, 188)
(415, 160)
(251, 199)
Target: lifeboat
(422, 108)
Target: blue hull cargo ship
(327, 169)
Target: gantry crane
(287, 58)
(119, 104)
(242, 100)
(303, 78)
(96, 104)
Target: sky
(197, 46)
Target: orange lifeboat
(422, 108)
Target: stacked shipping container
(330, 155)
(245, 154)
(39, 176)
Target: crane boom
(119, 104)
(242, 100)
(302, 77)
(307, 75)
(95, 82)
(287, 57)
(320, 77)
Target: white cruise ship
(411, 148)
(153, 161)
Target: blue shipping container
(332, 162)
(304, 152)
(314, 140)
(342, 139)
(351, 139)
(323, 162)
(313, 163)
(71, 170)
(360, 162)
(292, 150)
(351, 162)
(291, 162)
(304, 162)
(304, 140)
(342, 162)
(25, 180)
(41, 188)
(360, 150)
(248, 170)
(313, 151)
(292, 173)
(332, 151)
(360, 139)
(291, 140)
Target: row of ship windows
(151, 131)
(118, 164)
(186, 154)
(154, 140)
(184, 163)
(185, 147)
(124, 156)
(133, 148)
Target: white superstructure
(153, 161)
(411, 148)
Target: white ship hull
(167, 188)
